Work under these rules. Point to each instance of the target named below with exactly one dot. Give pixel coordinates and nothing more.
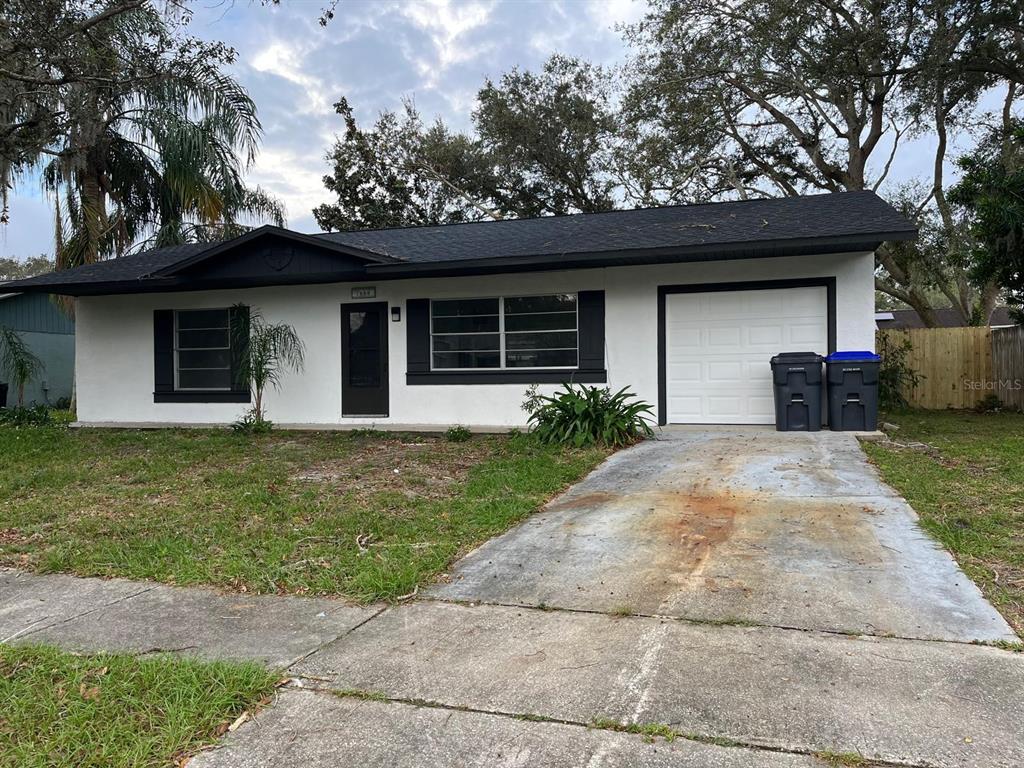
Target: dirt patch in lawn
(428, 468)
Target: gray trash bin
(797, 379)
(853, 391)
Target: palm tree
(18, 361)
(154, 152)
(268, 350)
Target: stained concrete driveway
(735, 525)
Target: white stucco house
(450, 324)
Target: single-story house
(446, 325)
(904, 319)
(49, 333)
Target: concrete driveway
(735, 525)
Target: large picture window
(202, 350)
(504, 332)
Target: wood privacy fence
(1008, 365)
(961, 366)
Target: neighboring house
(449, 324)
(50, 334)
(902, 319)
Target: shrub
(22, 416)
(990, 403)
(580, 415)
(252, 423)
(457, 434)
(895, 374)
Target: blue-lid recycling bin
(853, 390)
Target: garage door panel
(766, 334)
(687, 407)
(729, 335)
(725, 371)
(718, 345)
(685, 372)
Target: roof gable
(268, 251)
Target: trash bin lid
(853, 356)
(796, 358)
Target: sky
(374, 53)
(438, 52)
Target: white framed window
(202, 350)
(505, 332)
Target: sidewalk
(458, 685)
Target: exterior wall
(50, 334)
(115, 339)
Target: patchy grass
(368, 515)
(842, 759)
(59, 710)
(650, 731)
(968, 487)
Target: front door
(364, 359)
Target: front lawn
(968, 487)
(59, 710)
(363, 515)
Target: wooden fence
(1008, 366)
(955, 365)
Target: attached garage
(716, 343)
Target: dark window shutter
(238, 322)
(417, 335)
(590, 308)
(163, 350)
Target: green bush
(894, 373)
(252, 423)
(578, 415)
(457, 434)
(26, 416)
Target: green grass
(968, 488)
(59, 710)
(368, 516)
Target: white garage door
(718, 346)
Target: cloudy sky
(374, 53)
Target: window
(509, 332)
(202, 350)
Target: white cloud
(286, 60)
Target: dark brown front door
(364, 359)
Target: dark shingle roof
(944, 318)
(132, 267)
(751, 221)
(856, 217)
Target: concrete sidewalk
(139, 617)
(496, 685)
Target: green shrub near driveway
(580, 415)
(368, 516)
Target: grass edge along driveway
(967, 485)
(363, 515)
